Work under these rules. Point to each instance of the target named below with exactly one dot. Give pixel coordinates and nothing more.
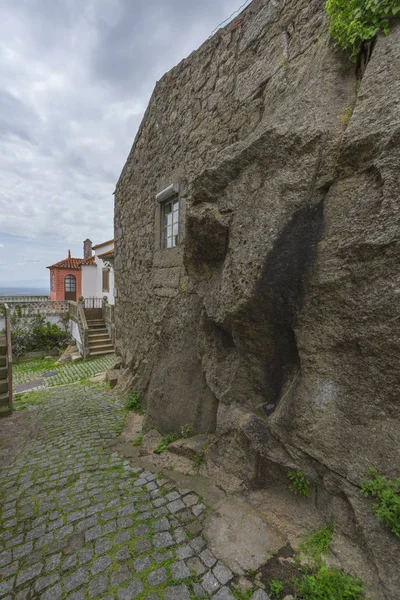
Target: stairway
(4, 392)
(99, 341)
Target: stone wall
(275, 322)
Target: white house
(98, 271)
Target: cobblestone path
(80, 523)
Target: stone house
(256, 259)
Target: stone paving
(28, 371)
(81, 523)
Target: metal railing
(93, 302)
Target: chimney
(69, 253)
(87, 249)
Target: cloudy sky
(75, 79)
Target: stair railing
(83, 327)
(9, 355)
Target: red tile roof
(67, 263)
(88, 261)
(103, 244)
(105, 254)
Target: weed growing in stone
(317, 543)
(137, 440)
(186, 431)
(134, 402)
(327, 583)
(165, 442)
(198, 460)
(299, 482)
(353, 22)
(387, 494)
(275, 588)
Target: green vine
(353, 22)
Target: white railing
(45, 308)
(77, 314)
(19, 299)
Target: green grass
(275, 588)
(35, 398)
(137, 440)
(30, 370)
(165, 442)
(387, 494)
(317, 543)
(329, 584)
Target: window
(170, 223)
(70, 283)
(106, 280)
(52, 284)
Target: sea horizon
(23, 291)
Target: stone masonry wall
(275, 322)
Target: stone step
(3, 361)
(101, 339)
(101, 352)
(98, 332)
(95, 322)
(101, 346)
(3, 372)
(3, 349)
(4, 399)
(5, 411)
(4, 386)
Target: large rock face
(275, 322)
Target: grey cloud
(75, 79)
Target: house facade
(98, 272)
(91, 276)
(66, 279)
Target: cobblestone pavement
(80, 523)
(65, 373)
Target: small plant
(346, 117)
(134, 402)
(353, 22)
(165, 442)
(329, 584)
(186, 431)
(317, 543)
(275, 588)
(299, 482)
(198, 460)
(387, 494)
(137, 440)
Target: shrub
(353, 22)
(31, 333)
(318, 543)
(133, 402)
(387, 494)
(165, 442)
(299, 482)
(329, 584)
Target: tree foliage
(353, 22)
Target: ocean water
(23, 291)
